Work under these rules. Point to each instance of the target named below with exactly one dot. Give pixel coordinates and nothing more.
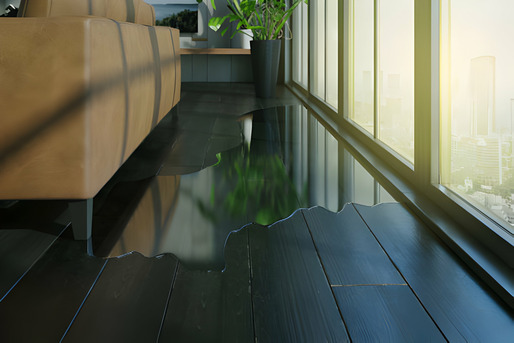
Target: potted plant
(267, 19)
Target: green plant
(267, 19)
(185, 21)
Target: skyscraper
(511, 117)
(483, 95)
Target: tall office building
(510, 139)
(483, 95)
(367, 86)
(511, 117)
(489, 169)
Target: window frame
(466, 229)
(484, 228)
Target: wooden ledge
(214, 51)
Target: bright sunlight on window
(477, 104)
(383, 78)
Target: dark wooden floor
(365, 274)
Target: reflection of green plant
(262, 189)
(185, 21)
(253, 186)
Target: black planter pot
(265, 60)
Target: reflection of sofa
(83, 82)
(142, 227)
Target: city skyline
(473, 24)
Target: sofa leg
(81, 212)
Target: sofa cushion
(132, 11)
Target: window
(362, 68)
(443, 125)
(324, 50)
(396, 78)
(382, 71)
(477, 104)
(300, 45)
(318, 48)
(332, 48)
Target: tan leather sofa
(82, 83)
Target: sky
(481, 28)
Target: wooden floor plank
(19, 250)
(195, 307)
(462, 306)
(349, 252)
(385, 314)
(237, 323)
(128, 301)
(292, 299)
(43, 304)
(212, 306)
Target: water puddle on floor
(225, 172)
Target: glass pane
(296, 49)
(477, 95)
(299, 45)
(305, 43)
(318, 49)
(396, 78)
(332, 50)
(362, 99)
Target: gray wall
(213, 68)
(216, 68)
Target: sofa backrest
(132, 11)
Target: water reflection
(280, 159)
(321, 164)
